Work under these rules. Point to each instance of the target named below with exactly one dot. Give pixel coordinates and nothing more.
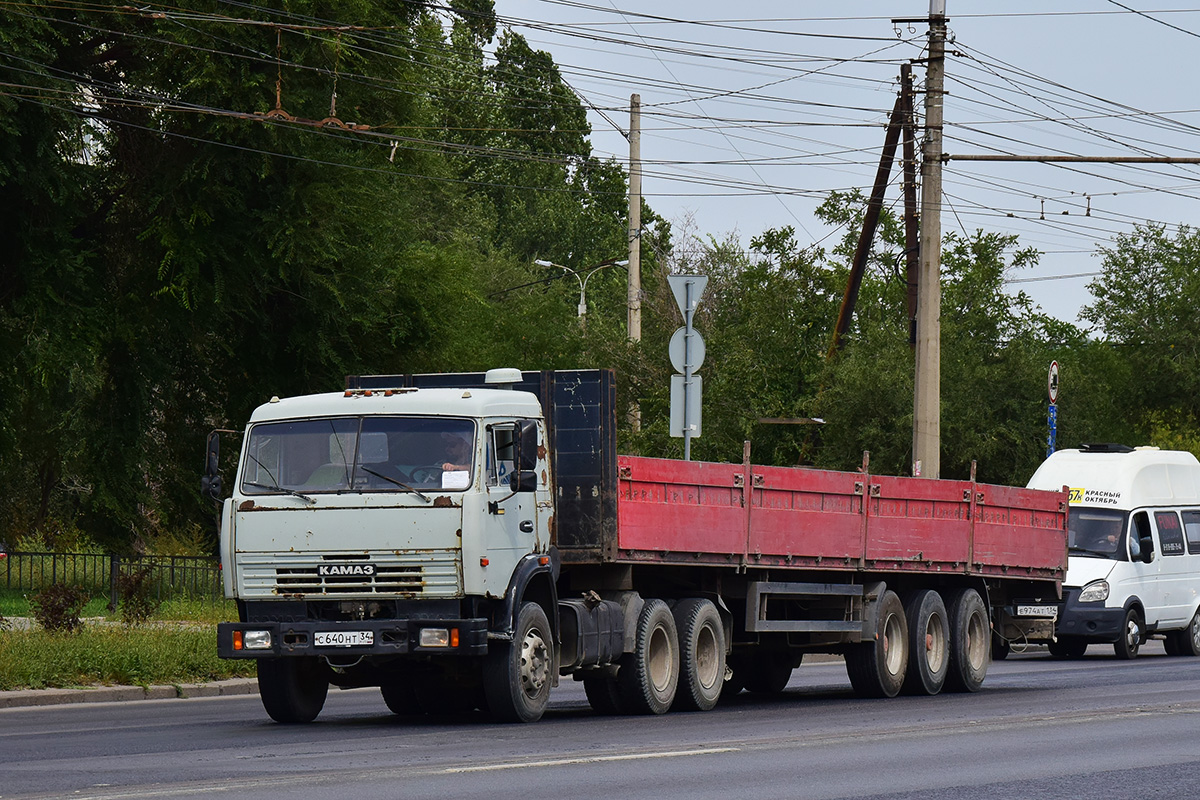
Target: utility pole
(928, 378)
(634, 296)
(635, 218)
(912, 236)
(870, 222)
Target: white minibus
(1133, 566)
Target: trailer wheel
(517, 675)
(736, 681)
(1067, 647)
(649, 676)
(401, 698)
(876, 668)
(1132, 633)
(970, 641)
(292, 690)
(928, 643)
(1000, 647)
(701, 654)
(768, 673)
(603, 695)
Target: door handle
(526, 526)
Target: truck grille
(428, 574)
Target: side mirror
(1147, 545)
(523, 480)
(525, 442)
(210, 483)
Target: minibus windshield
(1098, 532)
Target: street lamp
(583, 281)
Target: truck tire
(401, 698)
(877, 668)
(701, 654)
(293, 690)
(970, 641)
(1067, 647)
(928, 643)
(649, 676)
(603, 695)
(517, 675)
(1132, 633)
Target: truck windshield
(359, 454)
(1097, 532)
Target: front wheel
(1132, 634)
(292, 690)
(517, 675)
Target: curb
(117, 694)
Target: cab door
(1137, 578)
(512, 528)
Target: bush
(57, 607)
(137, 601)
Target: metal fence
(170, 577)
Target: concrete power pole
(928, 379)
(635, 218)
(634, 291)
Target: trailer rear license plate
(1037, 611)
(344, 638)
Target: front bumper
(390, 637)
(1092, 621)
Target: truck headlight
(256, 640)
(438, 637)
(1094, 592)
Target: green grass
(111, 653)
(114, 655)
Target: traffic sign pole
(686, 356)
(1052, 416)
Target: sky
(754, 112)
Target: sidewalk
(110, 694)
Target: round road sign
(1052, 382)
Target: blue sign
(1052, 419)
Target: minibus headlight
(1094, 592)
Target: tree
(1144, 308)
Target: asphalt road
(1095, 728)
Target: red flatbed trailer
(816, 561)
(689, 512)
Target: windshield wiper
(273, 488)
(390, 479)
(1101, 553)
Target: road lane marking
(562, 762)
